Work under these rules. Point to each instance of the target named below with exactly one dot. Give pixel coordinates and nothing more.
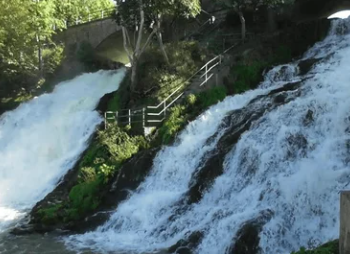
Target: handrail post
(129, 117)
(89, 17)
(164, 109)
(105, 120)
(143, 117)
(116, 117)
(206, 73)
(102, 14)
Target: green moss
(114, 103)
(174, 123)
(328, 248)
(211, 96)
(50, 215)
(247, 76)
(84, 196)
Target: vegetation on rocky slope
(328, 248)
(116, 145)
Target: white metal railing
(151, 115)
(100, 14)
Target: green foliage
(175, 122)
(68, 11)
(52, 58)
(114, 103)
(49, 215)
(120, 144)
(185, 59)
(246, 76)
(191, 99)
(211, 96)
(128, 11)
(84, 196)
(328, 248)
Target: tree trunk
(40, 57)
(161, 44)
(243, 27)
(133, 77)
(160, 39)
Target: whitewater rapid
(42, 139)
(289, 167)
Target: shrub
(247, 76)
(84, 196)
(191, 99)
(328, 248)
(52, 58)
(50, 215)
(120, 144)
(211, 96)
(174, 123)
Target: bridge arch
(94, 32)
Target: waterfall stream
(283, 174)
(42, 139)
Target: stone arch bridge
(94, 32)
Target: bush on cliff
(328, 248)
(110, 149)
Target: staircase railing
(150, 116)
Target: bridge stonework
(93, 32)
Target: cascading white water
(41, 140)
(292, 162)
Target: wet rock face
(186, 246)
(306, 65)
(309, 117)
(247, 238)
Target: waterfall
(42, 139)
(283, 174)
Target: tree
(42, 25)
(143, 16)
(157, 10)
(239, 6)
(14, 28)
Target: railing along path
(150, 116)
